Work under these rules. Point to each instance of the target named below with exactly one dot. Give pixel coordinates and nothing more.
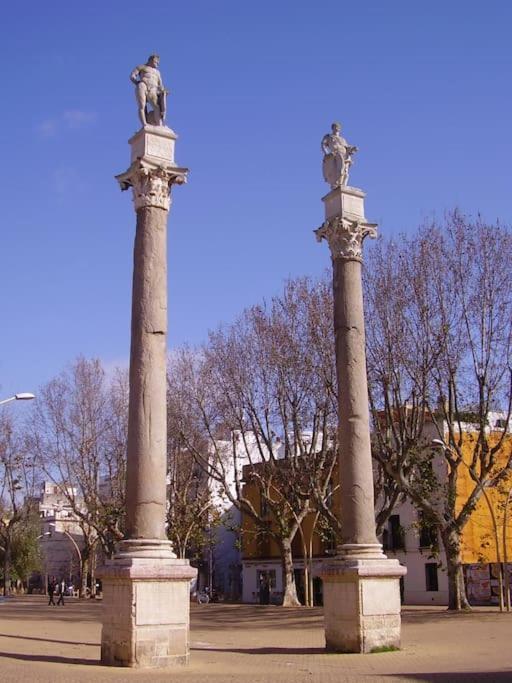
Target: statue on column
(149, 89)
(337, 157)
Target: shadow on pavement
(48, 640)
(50, 658)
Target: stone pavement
(253, 644)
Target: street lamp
(70, 537)
(481, 486)
(46, 533)
(24, 396)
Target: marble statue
(149, 89)
(337, 157)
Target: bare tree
(78, 435)
(256, 406)
(439, 358)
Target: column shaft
(355, 463)
(147, 426)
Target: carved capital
(151, 188)
(345, 237)
(151, 184)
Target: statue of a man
(337, 157)
(150, 89)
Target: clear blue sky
(423, 88)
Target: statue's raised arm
(337, 157)
(149, 90)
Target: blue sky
(423, 88)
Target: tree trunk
(457, 599)
(306, 568)
(93, 572)
(290, 598)
(84, 567)
(7, 566)
(310, 577)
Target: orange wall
(478, 537)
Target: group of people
(56, 588)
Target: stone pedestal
(361, 586)
(361, 604)
(146, 612)
(146, 590)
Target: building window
(330, 543)
(385, 540)
(263, 540)
(431, 582)
(428, 533)
(264, 511)
(397, 536)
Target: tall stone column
(145, 588)
(361, 585)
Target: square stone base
(345, 201)
(362, 604)
(153, 143)
(146, 612)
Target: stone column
(145, 588)
(361, 585)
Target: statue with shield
(337, 157)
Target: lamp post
(75, 544)
(25, 396)
(481, 486)
(80, 559)
(46, 533)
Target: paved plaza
(255, 644)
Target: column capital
(151, 183)
(345, 236)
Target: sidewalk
(253, 644)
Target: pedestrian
(51, 591)
(62, 591)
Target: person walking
(51, 591)
(62, 591)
